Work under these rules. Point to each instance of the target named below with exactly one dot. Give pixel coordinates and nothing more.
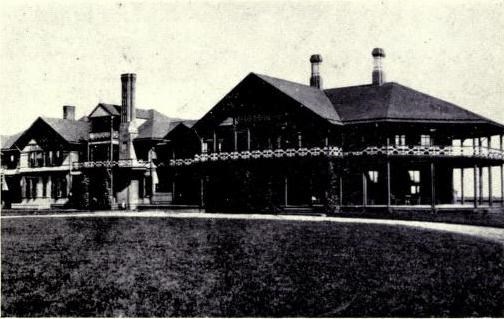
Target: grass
(203, 267)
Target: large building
(267, 145)
(271, 144)
(100, 161)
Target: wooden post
(388, 174)
(388, 184)
(214, 142)
(480, 185)
(475, 185)
(248, 139)
(202, 192)
(462, 185)
(111, 138)
(286, 194)
(235, 133)
(364, 189)
(433, 187)
(340, 188)
(174, 197)
(501, 147)
(490, 192)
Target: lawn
(217, 267)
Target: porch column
(501, 147)
(202, 192)
(68, 184)
(48, 186)
(433, 186)
(22, 184)
(248, 139)
(490, 193)
(300, 140)
(39, 186)
(173, 190)
(480, 185)
(364, 189)
(340, 189)
(214, 142)
(235, 134)
(475, 185)
(286, 188)
(388, 183)
(462, 185)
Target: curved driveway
(490, 233)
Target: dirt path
(491, 233)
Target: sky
(188, 54)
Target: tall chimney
(127, 129)
(315, 79)
(378, 74)
(69, 112)
(128, 97)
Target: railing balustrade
(334, 151)
(102, 135)
(109, 164)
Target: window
(400, 140)
(59, 187)
(425, 140)
(415, 189)
(414, 176)
(31, 187)
(204, 147)
(31, 159)
(373, 176)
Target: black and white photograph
(252, 158)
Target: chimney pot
(378, 76)
(69, 112)
(316, 79)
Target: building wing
(394, 102)
(310, 97)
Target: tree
(331, 198)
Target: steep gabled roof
(7, 141)
(111, 109)
(395, 102)
(72, 131)
(311, 97)
(156, 126)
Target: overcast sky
(188, 55)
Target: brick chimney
(128, 130)
(69, 112)
(128, 97)
(378, 73)
(315, 79)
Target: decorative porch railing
(450, 151)
(120, 163)
(103, 135)
(333, 151)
